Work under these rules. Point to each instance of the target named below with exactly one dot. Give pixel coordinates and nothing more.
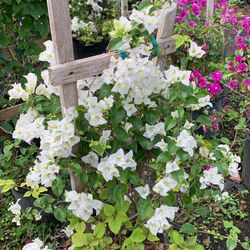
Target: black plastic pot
(84, 50)
(246, 164)
(26, 202)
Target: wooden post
(60, 25)
(246, 164)
(124, 7)
(210, 10)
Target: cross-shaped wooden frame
(67, 71)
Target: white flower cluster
(167, 183)
(108, 165)
(211, 176)
(17, 92)
(234, 159)
(160, 221)
(196, 51)
(59, 138)
(202, 103)
(29, 126)
(153, 130)
(186, 142)
(16, 210)
(77, 24)
(48, 55)
(82, 205)
(44, 171)
(94, 4)
(37, 244)
(174, 74)
(46, 89)
(136, 78)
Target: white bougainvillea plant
(141, 159)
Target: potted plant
(91, 23)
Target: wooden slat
(60, 25)
(83, 68)
(9, 113)
(167, 26)
(79, 69)
(124, 7)
(210, 10)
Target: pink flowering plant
(142, 161)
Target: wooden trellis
(67, 71)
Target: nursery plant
(144, 161)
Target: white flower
(68, 231)
(184, 77)
(175, 114)
(37, 244)
(82, 204)
(48, 54)
(162, 145)
(172, 166)
(105, 136)
(172, 74)
(143, 191)
(16, 210)
(43, 172)
(205, 101)
(165, 185)
(150, 23)
(186, 142)
(153, 130)
(130, 108)
(188, 125)
(17, 92)
(196, 51)
(92, 159)
(211, 176)
(29, 126)
(108, 169)
(30, 86)
(204, 152)
(77, 24)
(233, 169)
(159, 223)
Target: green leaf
(27, 194)
(115, 43)
(109, 210)
(114, 224)
(117, 115)
(177, 238)
(180, 40)
(99, 230)
(152, 237)
(231, 244)
(136, 122)
(79, 239)
(144, 208)
(138, 235)
(204, 120)
(57, 186)
(164, 157)
(187, 229)
(170, 199)
(170, 123)
(60, 213)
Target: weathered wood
(83, 68)
(9, 113)
(124, 8)
(210, 10)
(79, 69)
(167, 25)
(60, 25)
